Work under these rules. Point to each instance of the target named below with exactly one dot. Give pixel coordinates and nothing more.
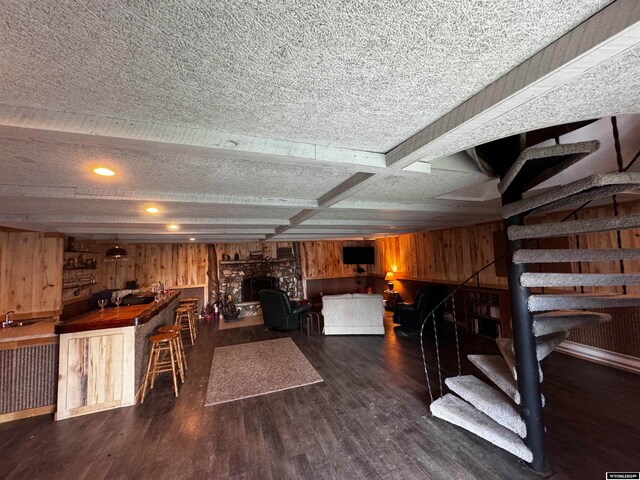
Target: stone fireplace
(243, 279)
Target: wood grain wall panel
(324, 259)
(452, 255)
(630, 239)
(174, 264)
(449, 255)
(31, 273)
(599, 240)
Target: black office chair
(277, 312)
(412, 314)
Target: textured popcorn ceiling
(413, 190)
(611, 87)
(240, 119)
(364, 75)
(28, 162)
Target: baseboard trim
(31, 412)
(598, 355)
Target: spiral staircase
(506, 407)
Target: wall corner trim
(598, 355)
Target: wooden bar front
(101, 354)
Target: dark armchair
(412, 314)
(277, 312)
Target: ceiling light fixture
(116, 251)
(105, 172)
(172, 227)
(152, 210)
(192, 239)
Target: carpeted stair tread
(531, 279)
(506, 349)
(489, 401)
(551, 160)
(575, 193)
(563, 255)
(458, 412)
(587, 196)
(542, 303)
(495, 369)
(565, 320)
(573, 227)
(545, 344)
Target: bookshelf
(487, 312)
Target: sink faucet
(7, 319)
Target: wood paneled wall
(175, 264)
(448, 256)
(31, 273)
(186, 264)
(324, 259)
(453, 254)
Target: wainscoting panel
(28, 377)
(96, 371)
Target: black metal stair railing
(450, 297)
(432, 314)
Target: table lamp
(390, 277)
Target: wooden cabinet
(487, 312)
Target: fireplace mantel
(244, 262)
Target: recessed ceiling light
(105, 172)
(192, 239)
(172, 227)
(152, 210)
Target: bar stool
(162, 358)
(179, 345)
(184, 319)
(189, 300)
(193, 305)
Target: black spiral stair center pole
(525, 348)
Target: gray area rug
(257, 368)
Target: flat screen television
(358, 255)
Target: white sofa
(353, 314)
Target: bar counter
(103, 354)
(130, 316)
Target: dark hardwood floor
(368, 420)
